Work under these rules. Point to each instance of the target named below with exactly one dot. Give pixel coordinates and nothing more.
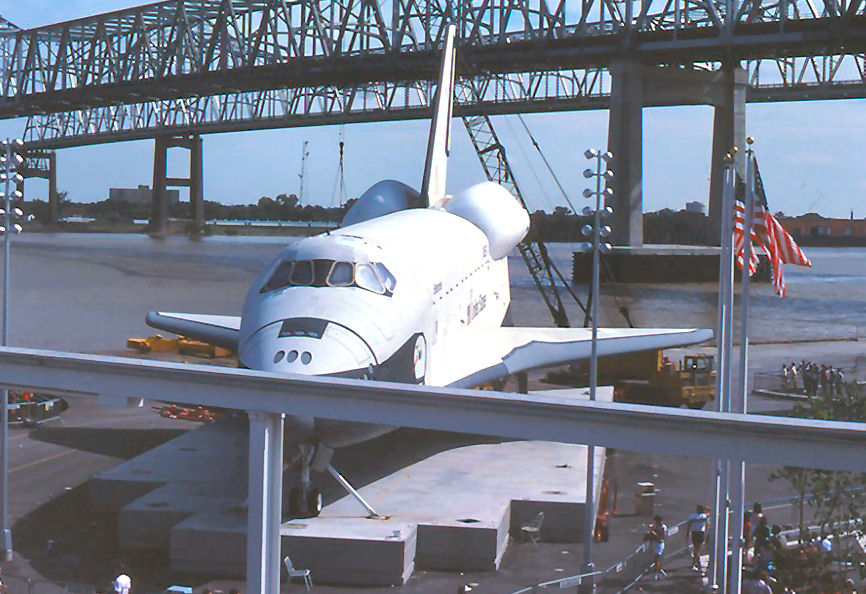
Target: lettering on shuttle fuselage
(475, 307)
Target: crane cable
(623, 309)
(546, 163)
(520, 148)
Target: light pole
(598, 233)
(10, 160)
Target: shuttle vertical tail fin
(439, 144)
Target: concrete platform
(658, 264)
(452, 511)
(455, 510)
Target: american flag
(767, 235)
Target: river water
(90, 292)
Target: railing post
(264, 503)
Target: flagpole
(723, 357)
(741, 400)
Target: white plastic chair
(532, 531)
(294, 573)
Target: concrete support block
(376, 562)
(625, 141)
(210, 545)
(108, 495)
(465, 544)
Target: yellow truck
(650, 377)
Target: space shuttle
(412, 287)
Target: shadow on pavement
(117, 443)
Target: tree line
(664, 226)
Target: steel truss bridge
(199, 66)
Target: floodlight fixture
(590, 153)
(587, 193)
(587, 211)
(588, 173)
(608, 175)
(587, 230)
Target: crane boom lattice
(493, 159)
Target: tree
(837, 499)
(290, 200)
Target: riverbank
(177, 227)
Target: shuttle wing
(218, 330)
(479, 356)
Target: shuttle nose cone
(309, 347)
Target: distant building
(814, 225)
(697, 207)
(140, 195)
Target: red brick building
(813, 225)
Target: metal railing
(619, 577)
(624, 575)
(36, 411)
(774, 381)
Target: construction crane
(339, 194)
(491, 153)
(304, 154)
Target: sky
(811, 153)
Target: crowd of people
(769, 562)
(813, 378)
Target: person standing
(655, 536)
(697, 531)
(762, 543)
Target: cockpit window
(386, 276)
(280, 277)
(302, 273)
(367, 278)
(370, 276)
(341, 275)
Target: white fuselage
(444, 281)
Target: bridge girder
(808, 78)
(190, 48)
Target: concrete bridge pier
(635, 85)
(625, 141)
(729, 130)
(43, 164)
(161, 182)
